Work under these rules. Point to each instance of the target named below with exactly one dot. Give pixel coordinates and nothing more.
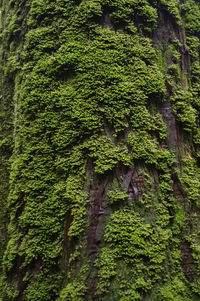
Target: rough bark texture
(100, 150)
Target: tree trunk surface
(100, 150)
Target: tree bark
(100, 150)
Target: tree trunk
(100, 150)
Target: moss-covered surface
(99, 150)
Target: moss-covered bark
(100, 150)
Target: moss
(116, 196)
(45, 289)
(135, 243)
(144, 15)
(107, 269)
(190, 179)
(143, 147)
(172, 7)
(141, 118)
(106, 155)
(184, 110)
(191, 9)
(73, 291)
(88, 88)
(177, 290)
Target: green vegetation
(94, 199)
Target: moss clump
(176, 291)
(106, 155)
(184, 110)
(72, 292)
(116, 196)
(143, 147)
(135, 256)
(190, 178)
(172, 7)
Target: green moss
(107, 269)
(172, 7)
(191, 179)
(192, 9)
(106, 155)
(73, 291)
(143, 147)
(152, 123)
(128, 11)
(43, 287)
(88, 85)
(184, 110)
(136, 244)
(176, 291)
